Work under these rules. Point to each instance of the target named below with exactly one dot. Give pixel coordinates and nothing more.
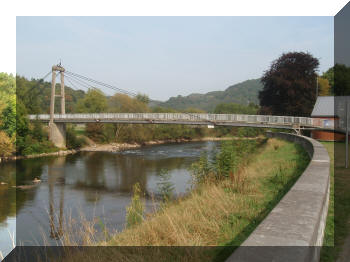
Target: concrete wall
(294, 229)
(58, 134)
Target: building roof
(324, 106)
(332, 106)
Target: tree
(120, 103)
(290, 85)
(8, 104)
(6, 145)
(7, 90)
(143, 98)
(341, 80)
(93, 102)
(324, 89)
(8, 119)
(329, 75)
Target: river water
(96, 184)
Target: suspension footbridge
(57, 122)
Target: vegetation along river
(95, 184)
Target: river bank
(94, 185)
(220, 214)
(115, 147)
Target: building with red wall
(332, 109)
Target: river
(95, 184)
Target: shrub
(200, 169)
(165, 187)
(38, 131)
(30, 146)
(95, 132)
(72, 140)
(226, 163)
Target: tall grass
(134, 213)
(338, 225)
(218, 212)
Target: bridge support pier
(58, 134)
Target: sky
(168, 56)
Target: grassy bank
(218, 213)
(337, 227)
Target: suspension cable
(102, 84)
(73, 86)
(46, 75)
(132, 94)
(75, 80)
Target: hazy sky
(168, 56)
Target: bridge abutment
(58, 134)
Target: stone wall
(294, 229)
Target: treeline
(7, 114)
(335, 81)
(17, 134)
(95, 102)
(280, 95)
(35, 95)
(20, 97)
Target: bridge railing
(194, 117)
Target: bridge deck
(191, 119)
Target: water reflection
(7, 192)
(56, 176)
(97, 184)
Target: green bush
(32, 146)
(201, 169)
(226, 163)
(72, 140)
(165, 187)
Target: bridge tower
(57, 131)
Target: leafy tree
(324, 89)
(6, 145)
(329, 75)
(72, 140)
(7, 90)
(93, 102)
(22, 122)
(143, 98)
(120, 103)
(290, 85)
(36, 94)
(8, 118)
(341, 80)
